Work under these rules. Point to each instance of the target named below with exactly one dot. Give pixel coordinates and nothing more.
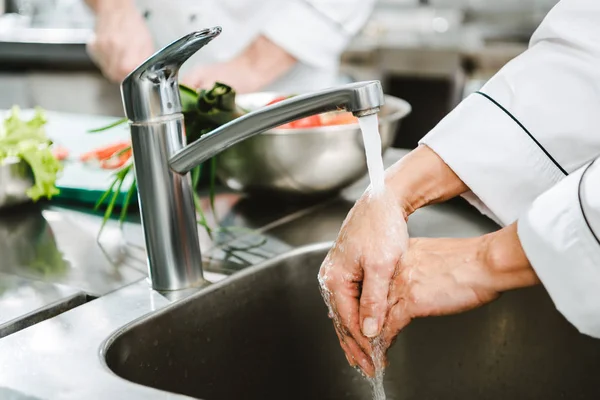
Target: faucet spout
(362, 98)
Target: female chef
(280, 45)
(523, 151)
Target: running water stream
(369, 126)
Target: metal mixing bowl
(311, 161)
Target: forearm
(423, 178)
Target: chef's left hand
(449, 276)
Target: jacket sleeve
(560, 234)
(533, 123)
(317, 31)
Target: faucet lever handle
(152, 90)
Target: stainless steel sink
(264, 334)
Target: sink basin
(264, 334)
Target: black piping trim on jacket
(587, 222)
(526, 131)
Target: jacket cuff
(564, 253)
(312, 45)
(495, 156)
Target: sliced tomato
(343, 118)
(104, 152)
(60, 153)
(308, 122)
(276, 100)
(286, 126)
(116, 161)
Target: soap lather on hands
(356, 273)
(376, 280)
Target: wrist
(505, 261)
(421, 178)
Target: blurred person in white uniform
(289, 46)
(524, 150)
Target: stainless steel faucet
(162, 160)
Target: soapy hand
(121, 42)
(449, 276)
(357, 272)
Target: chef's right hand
(356, 274)
(122, 40)
(444, 276)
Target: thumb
(373, 299)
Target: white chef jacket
(315, 32)
(525, 144)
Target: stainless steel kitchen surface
(25, 302)
(61, 358)
(58, 245)
(264, 334)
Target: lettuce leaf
(27, 140)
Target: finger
(340, 291)
(354, 353)
(347, 351)
(341, 297)
(398, 318)
(346, 311)
(373, 299)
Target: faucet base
(166, 205)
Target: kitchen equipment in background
(415, 49)
(309, 161)
(53, 14)
(432, 98)
(15, 179)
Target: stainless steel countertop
(60, 358)
(21, 297)
(58, 246)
